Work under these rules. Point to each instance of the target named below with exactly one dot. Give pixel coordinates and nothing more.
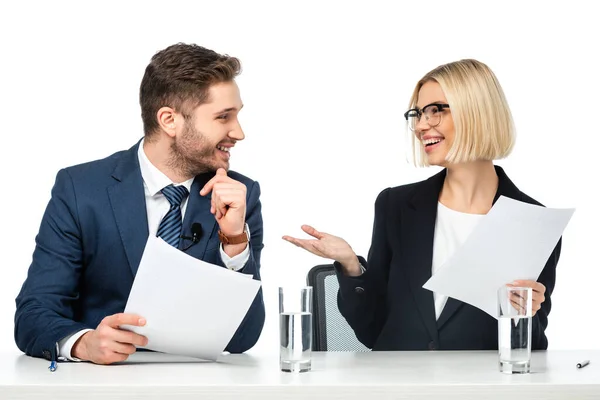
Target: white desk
(370, 376)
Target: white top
(157, 206)
(447, 375)
(452, 228)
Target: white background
(325, 85)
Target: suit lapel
(505, 188)
(420, 227)
(198, 211)
(129, 207)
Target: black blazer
(387, 306)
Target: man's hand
(108, 344)
(228, 205)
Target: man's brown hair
(179, 77)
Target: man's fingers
(122, 348)
(127, 337)
(232, 185)
(223, 190)
(226, 197)
(230, 197)
(229, 201)
(110, 358)
(313, 232)
(206, 189)
(220, 176)
(220, 207)
(116, 320)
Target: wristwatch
(243, 237)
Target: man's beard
(193, 154)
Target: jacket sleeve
(362, 299)
(540, 320)
(45, 304)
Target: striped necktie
(170, 227)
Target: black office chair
(331, 332)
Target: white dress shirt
(157, 207)
(452, 228)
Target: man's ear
(166, 120)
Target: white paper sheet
(191, 307)
(513, 241)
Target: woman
(461, 122)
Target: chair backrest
(331, 332)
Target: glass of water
(514, 329)
(295, 329)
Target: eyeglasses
(432, 112)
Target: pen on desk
(52, 366)
(52, 356)
(583, 364)
(53, 363)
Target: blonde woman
(460, 121)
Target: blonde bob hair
(484, 128)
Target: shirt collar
(153, 178)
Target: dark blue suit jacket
(387, 306)
(90, 244)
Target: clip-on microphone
(195, 238)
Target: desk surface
(398, 375)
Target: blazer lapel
(129, 207)
(198, 211)
(420, 226)
(451, 307)
(505, 188)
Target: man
(173, 184)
